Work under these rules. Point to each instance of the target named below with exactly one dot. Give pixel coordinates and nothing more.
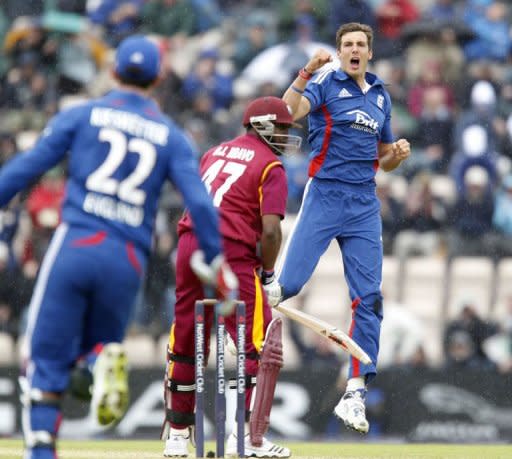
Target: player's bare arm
(391, 155)
(271, 237)
(299, 104)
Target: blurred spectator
(253, 39)
(208, 14)
(471, 217)
(12, 295)
(4, 27)
(443, 10)
(117, 18)
(27, 36)
(392, 15)
(423, 218)
(502, 218)
(78, 63)
(72, 6)
(15, 8)
(440, 44)
(432, 77)
(391, 211)
(488, 19)
(44, 205)
(435, 129)
(343, 11)
(401, 336)
(464, 337)
(499, 346)
(168, 18)
(206, 79)
(290, 10)
(475, 151)
(432, 102)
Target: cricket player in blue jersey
(350, 134)
(120, 149)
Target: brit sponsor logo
(364, 122)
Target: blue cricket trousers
(84, 295)
(350, 214)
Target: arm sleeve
(274, 190)
(49, 150)
(184, 174)
(314, 92)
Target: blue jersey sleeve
(314, 91)
(386, 135)
(48, 151)
(183, 172)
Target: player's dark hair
(131, 77)
(354, 27)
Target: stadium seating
(7, 346)
(140, 350)
(470, 281)
(503, 288)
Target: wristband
(267, 277)
(304, 74)
(297, 90)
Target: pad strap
(40, 438)
(180, 386)
(180, 358)
(177, 417)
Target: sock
(356, 383)
(46, 418)
(184, 432)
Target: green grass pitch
(133, 449)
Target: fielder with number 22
(120, 149)
(350, 134)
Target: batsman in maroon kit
(248, 185)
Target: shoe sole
(111, 392)
(351, 426)
(262, 455)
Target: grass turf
(133, 449)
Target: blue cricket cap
(138, 59)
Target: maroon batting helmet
(263, 114)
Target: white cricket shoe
(267, 448)
(110, 391)
(176, 444)
(351, 410)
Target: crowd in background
(447, 65)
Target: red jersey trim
(264, 176)
(317, 161)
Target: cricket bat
(328, 331)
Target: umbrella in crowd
(280, 63)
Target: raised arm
(299, 104)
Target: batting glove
(219, 276)
(272, 288)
